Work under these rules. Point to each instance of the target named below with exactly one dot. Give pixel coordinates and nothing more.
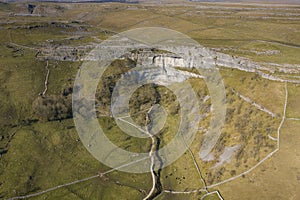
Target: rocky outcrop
(253, 51)
(168, 61)
(265, 70)
(205, 58)
(65, 53)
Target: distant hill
(71, 1)
(252, 1)
(159, 1)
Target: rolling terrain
(255, 49)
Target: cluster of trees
(215, 176)
(148, 95)
(108, 81)
(53, 107)
(142, 100)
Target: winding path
(152, 155)
(46, 79)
